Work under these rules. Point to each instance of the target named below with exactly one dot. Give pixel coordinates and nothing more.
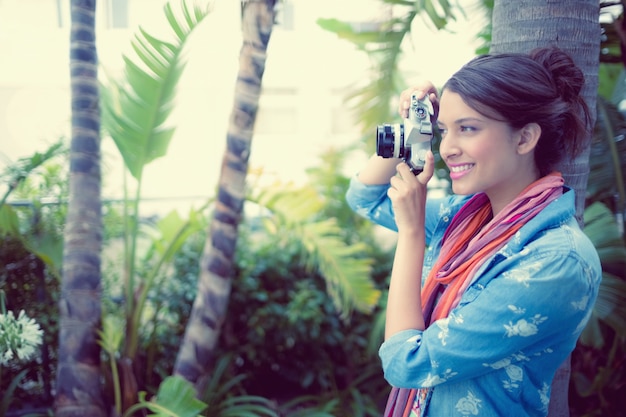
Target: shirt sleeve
(531, 310)
(371, 202)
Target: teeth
(460, 168)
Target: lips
(457, 171)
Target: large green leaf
(135, 109)
(176, 398)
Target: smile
(461, 168)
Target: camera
(410, 140)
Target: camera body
(410, 140)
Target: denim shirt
(498, 350)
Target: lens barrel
(386, 141)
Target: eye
(464, 128)
(442, 130)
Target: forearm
(378, 170)
(404, 306)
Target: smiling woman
(490, 287)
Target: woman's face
(483, 154)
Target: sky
(34, 87)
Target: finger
(404, 171)
(429, 168)
(405, 103)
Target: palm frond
(372, 102)
(136, 108)
(345, 268)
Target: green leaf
(135, 110)
(7, 395)
(9, 222)
(176, 398)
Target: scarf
(472, 238)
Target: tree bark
(214, 283)
(572, 25)
(78, 388)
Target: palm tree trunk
(572, 25)
(78, 389)
(214, 283)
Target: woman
(490, 287)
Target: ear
(529, 137)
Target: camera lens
(390, 141)
(385, 141)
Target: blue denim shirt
(497, 351)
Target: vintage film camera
(411, 140)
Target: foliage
(135, 112)
(175, 398)
(384, 46)
(312, 330)
(30, 253)
(597, 362)
(598, 377)
(20, 338)
(225, 398)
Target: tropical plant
(46, 245)
(135, 114)
(175, 398)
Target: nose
(447, 147)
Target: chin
(461, 190)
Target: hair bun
(567, 77)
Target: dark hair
(542, 87)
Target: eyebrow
(461, 121)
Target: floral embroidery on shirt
(443, 325)
(524, 327)
(469, 405)
(444, 210)
(581, 304)
(432, 380)
(524, 275)
(506, 362)
(515, 374)
(544, 395)
(516, 310)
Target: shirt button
(445, 219)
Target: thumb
(429, 168)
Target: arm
(408, 196)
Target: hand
(421, 90)
(408, 195)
